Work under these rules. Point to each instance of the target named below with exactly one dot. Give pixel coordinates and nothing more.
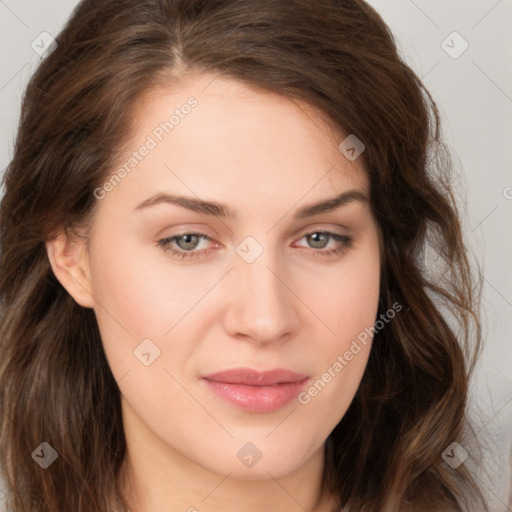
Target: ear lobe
(69, 260)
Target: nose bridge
(262, 306)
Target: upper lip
(251, 377)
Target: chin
(259, 460)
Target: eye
(320, 239)
(183, 246)
(186, 242)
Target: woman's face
(260, 290)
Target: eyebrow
(224, 211)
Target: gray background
(474, 93)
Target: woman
(300, 354)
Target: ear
(67, 252)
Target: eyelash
(343, 242)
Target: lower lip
(257, 398)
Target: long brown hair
(338, 56)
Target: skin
(265, 156)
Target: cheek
(358, 300)
(350, 311)
(144, 294)
(138, 301)
(348, 300)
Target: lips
(256, 391)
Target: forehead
(224, 103)
(217, 137)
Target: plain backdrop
(462, 49)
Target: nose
(262, 304)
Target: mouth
(256, 391)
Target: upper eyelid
(330, 225)
(200, 231)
